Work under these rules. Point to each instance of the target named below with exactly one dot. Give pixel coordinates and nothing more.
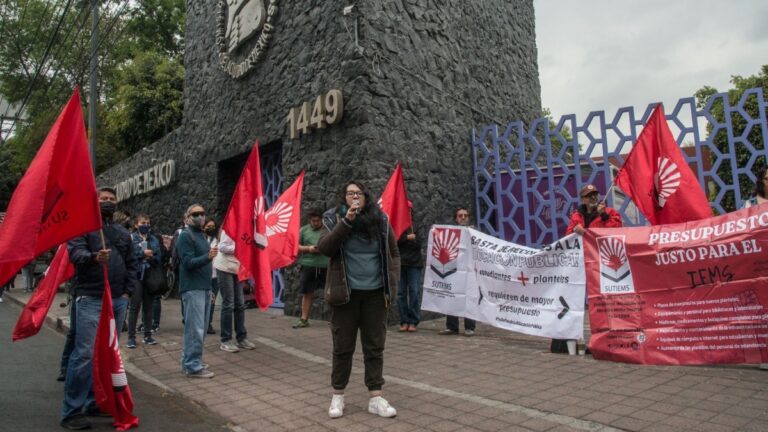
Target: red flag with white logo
(246, 225)
(110, 383)
(394, 203)
(32, 317)
(657, 178)
(283, 220)
(56, 198)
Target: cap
(588, 189)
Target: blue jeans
(232, 306)
(197, 305)
(78, 386)
(69, 345)
(409, 295)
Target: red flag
(657, 178)
(32, 317)
(55, 200)
(246, 226)
(394, 203)
(283, 220)
(110, 384)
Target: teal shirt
(363, 263)
(195, 269)
(309, 237)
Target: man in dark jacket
(88, 254)
(409, 292)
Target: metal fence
(527, 175)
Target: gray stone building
(416, 76)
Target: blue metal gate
(526, 176)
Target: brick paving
(496, 380)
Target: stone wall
(428, 73)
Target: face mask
(197, 221)
(210, 231)
(143, 229)
(107, 208)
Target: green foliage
(740, 84)
(140, 74)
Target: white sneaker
(337, 406)
(764, 366)
(379, 406)
(246, 344)
(229, 346)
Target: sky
(605, 54)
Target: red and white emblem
(615, 274)
(666, 181)
(445, 250)
(277, 218)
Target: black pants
(367, 311)
(141, 299)
(452, 323)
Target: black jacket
(410, 250)
(121, 267)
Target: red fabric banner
(32, 317)
(110, 383)
(56, 198)
(283, 220)
(689, 293)
(658, 179)
(246, 225)
(394, 203)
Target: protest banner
(531, 291)
(686, 293)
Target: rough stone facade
(428, 73)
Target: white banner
(536, 292)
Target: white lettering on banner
(158, 176)
(709, 232)
(510, 286)
(702, 253)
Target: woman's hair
(759, 185)
(209, 220)
(369, 218)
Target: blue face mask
(143, 229)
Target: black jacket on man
(122, 266)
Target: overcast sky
(605, 54)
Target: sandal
(412, 328)
(403, 327)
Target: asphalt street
(30, 396)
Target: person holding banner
(460, 217)
(758, 197)
(592, 213)
(363, 272)
(88, 254)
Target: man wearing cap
(592, 213)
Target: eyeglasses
(195, 214)
(354, 193)
(462, 216)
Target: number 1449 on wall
(327, 110)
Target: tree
(134, 34)
(739, 123)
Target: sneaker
(155, 329)
(379, 406)
(246, 344)
(469, 333)
(337, 406)
(131, 343)
(78, 422)
(140, 328)
(301, 323)
(149, 340)
(447, 332)
(97, 412)
(202, 373)
(1, 299)
(229, 346)
(62, 376)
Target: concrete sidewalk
(496, 380)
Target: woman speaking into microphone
(362, 277)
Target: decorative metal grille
(527, 176)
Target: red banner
(688, 293)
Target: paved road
(30, 396)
